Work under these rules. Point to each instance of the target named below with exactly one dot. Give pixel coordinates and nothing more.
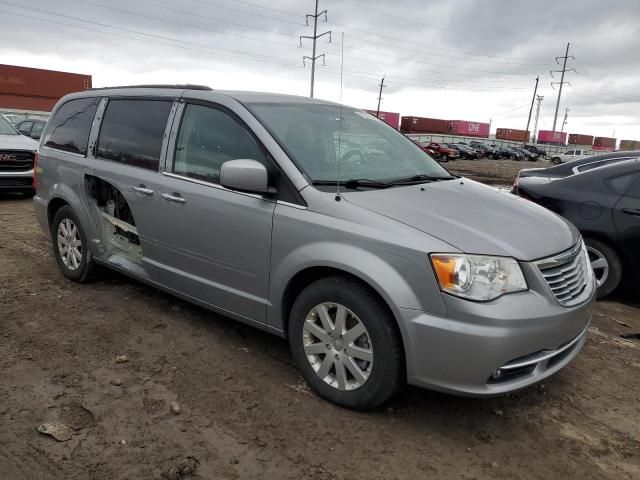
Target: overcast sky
(455, 59)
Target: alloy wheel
(338, 346)
(69, 244)
(599, 264)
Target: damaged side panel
(120, 243)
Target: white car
(17, 157)
(570, 155)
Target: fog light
(497, 374)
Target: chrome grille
(568, 275)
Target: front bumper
(526, 337)
(16, 181)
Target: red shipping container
(606, 143)
(512, 134)
(470, 129)
(423, 125)
(549, 136)
(36, 89)
(577, 139)
(628, 145)
(392, 118)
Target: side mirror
(245, 175)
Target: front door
(215, 242)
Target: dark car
(466, 152)
(601, 197)
(527, 155)
(509, 152)
(31, 128)
(537, 150)
(483, 149)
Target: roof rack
(177, 87)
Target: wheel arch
(55, 204)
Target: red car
(424, 146)
(445, 153)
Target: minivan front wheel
(344, 341)
(70, 245)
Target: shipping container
(469, 129)
(578, 139)
(35, 89)
(627, 145)
(512, 134)
(392, 118)
(423, 125)
(604, 143)
(551, 137)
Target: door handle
(631, 211)
(143, 190)
(173, 198)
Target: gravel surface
(152, 387)
(492, 172)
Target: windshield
(6, 128)
(363, 146)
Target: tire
(556, 160)
(385, 372)
(444, 159)
(609, 275)
(513, 158)
(78, 270)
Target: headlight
(478, 277)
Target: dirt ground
(242, 410)
(492, 172)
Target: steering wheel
(350, 154)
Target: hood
(473, 218)
(17, 142)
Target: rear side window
(70, 126)
(621, 183)
(208, 137)
(132, 132)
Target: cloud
(454, 59)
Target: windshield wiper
(353, 183)
(418, 178)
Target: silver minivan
(321, 224)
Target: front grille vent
(568, 275)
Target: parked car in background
(537, 150)
(510, 153)
(483, 149)
(230, 200)
(446, 152)
(11, 118)
(433, 153)
(527, 155)
(31, 128)
(17, 156)
(466, 152)
(569, 155)
(600, 195)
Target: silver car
(321, 224)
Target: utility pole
(533, 99)
(539, 99)
(315, 37)
(562, 82)
(380, 96)
(566, 114)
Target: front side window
(621, 183)
(634, 191)
(36, 131)
(25, 128)
(71, 124)
(325, 139)
(132, 132)
(208, 137)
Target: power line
(213, 4)
(561, 82)
(191, 25)
(315, 38)
(285, 12)
(226, 52)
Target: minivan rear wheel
(344, 341)
(606, 266)
(70, 246)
